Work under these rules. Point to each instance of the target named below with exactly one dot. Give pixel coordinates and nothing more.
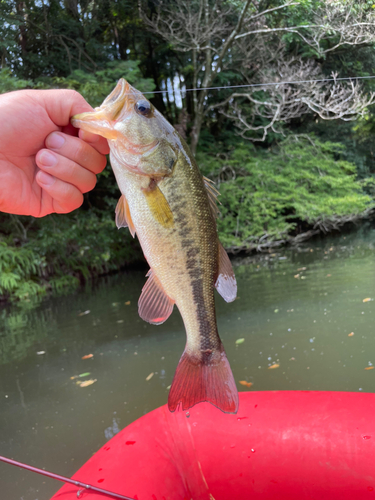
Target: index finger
(96, 141)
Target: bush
(19, 272)
(267, 195)
(63, 250)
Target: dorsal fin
(226, 283)
(212, 193)
(154, 305)
(123, 217)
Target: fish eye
(143, 107)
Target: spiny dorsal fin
(123, 217)
(226, 283)
(154, 305)
(158, 205)
(212, 193)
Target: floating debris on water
(81, 375)
(86, 383)
(84, 313)
(245, 383)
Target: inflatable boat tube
(282, 445)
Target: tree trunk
(196, 130)
(20, 7)
(3, 58)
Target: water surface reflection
(301, 309)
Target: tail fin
(204, 378)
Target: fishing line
(64, 479)
(265, 84)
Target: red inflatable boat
(283, 445)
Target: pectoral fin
(123, 217)
(226, 283)
(154, 305)
(158, 205)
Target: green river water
(302, 309)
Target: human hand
(45, 163)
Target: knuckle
(72, 200)
(100, 164)
(88, 183)
(92, 183)
(81, 151)
(73, 95)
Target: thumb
(62, 104)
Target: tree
(51, 38)
(247, 42)
(264, 108)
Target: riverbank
(268, 199)
(37, 279)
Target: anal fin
(204, 378)
(225, 283)
(123, 217)
(154, 305)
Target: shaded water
(296, 308)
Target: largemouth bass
(172, 209)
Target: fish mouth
(101, 121)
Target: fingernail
(47, 159)
(55, 141)
(46, 179)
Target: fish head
(140, 138)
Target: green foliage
(9, 82)
(267, 195)
(95, 87)
(19, 272)
(91, 242)
(62, 251)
